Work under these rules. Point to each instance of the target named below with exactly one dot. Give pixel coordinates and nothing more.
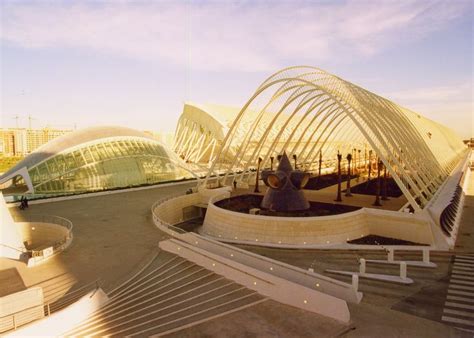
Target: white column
(403, 270)
(390, 254)
(355, 282)
(426, 255)
(362, 266)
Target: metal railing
(51, 219)
(167, 227)
(14, 320)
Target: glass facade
(107, 164)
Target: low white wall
(64, 320)
(268, 285)
(39, 234)
(171, 210)
(288, 272)
(259, 229)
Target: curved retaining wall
(41, 235)
(300, 231)
(45, 235)
(296, 287)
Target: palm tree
(377, 190)
(370, 165)
(348, 189)
(271, 162)
(257, 176)
(294, 158)
(384, 186)
(339, 178)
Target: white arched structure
(306, 111)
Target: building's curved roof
(71, 140)
(314, 112)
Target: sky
(134, 64)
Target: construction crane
(16, 117)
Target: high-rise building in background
(22, 141)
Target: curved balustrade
(35, 220)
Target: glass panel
(61, 164)
(87, 155)
(70, 162)
(79, 159)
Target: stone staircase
(169, 294)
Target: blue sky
(135, 63)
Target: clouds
(217, 36)
(451, 105)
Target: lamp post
(294, 158)
(271, 162)
(348, 188)
(358, 174)
(257, 176)
(354, 156)
(339, 158)
(320, 163)
(365, 158)
(377, 189)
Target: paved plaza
(114, 237)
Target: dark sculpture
(285, 185)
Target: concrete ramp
(281, 282)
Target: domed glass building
(97, 158)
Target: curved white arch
(304, 108)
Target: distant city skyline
(135, 64)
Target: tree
(377, 190)
(384, 186)
(370, 165)
(257, 176)
(348, 188)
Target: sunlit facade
(98, 159)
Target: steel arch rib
(391, 131)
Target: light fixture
(317, 285)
